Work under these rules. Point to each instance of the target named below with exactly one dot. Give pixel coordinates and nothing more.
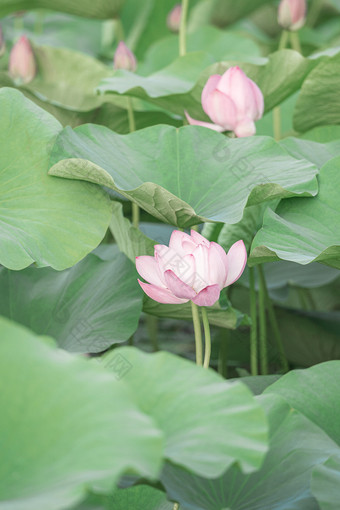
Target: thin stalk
(131, 115)
(207, 351)
(253, 329)
(314, 12)
(135, 215)
(130, 341)
(222, 356)
(283, 40)
(263, 323)
(195, 228)
(311, 299)
(183, 28)
(132, 128)
(18, 22)
(304, 303)
(39, 22)
(107, 34)
(176, 506)
(276, 330)
(277, 123)
(119, 30)
(152, 327)
(198, 333)
(277, 110)
(295, 41)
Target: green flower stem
(198, 333)
(277, 110)
(108, 33)
(314, 12)
(119, 30)
(183, 28)
(132, 128)
(131, 115)
(275, 328)
(207, 351)
(222, 356)
(176, 506)
(263, 323)
(277, 123)
(253, 329)
(39, 22)
(283, 40)
(295, 41)
(135, 215)
(18, 22)
(152, 327)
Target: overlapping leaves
(185, 176)
(43, 220)
(86, 308)
(76, 423)
(304, 230)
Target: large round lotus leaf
(102, 9)
(319, 102)
(66, 425)
(216, 423)
(43, 220)
(222, 45)
(314, 392)
(178, 86)
(183, 176)
(304, 230)
(326, 482)
(86, 308)
(283, 482)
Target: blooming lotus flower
(124, 58)
(22, 65)
(292, 14)
(190, 269)
(233, 102)
(174, 18)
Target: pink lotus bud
(233, 102)
(174, 18)
(124, 58)
(2, 43)
(22, 65)
(292, 14)
(190, 269)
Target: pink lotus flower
(292, 14)
(233, 102)
(190, 269)
(22, 65)
(124, 58)
(174, 18)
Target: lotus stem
(275, 328)
(183, 29)
(277, 123)
(222, 356)
(253, 328)
(277, 110)
(263, 323)
(207, 351)
(295, 41)
(198, 333)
